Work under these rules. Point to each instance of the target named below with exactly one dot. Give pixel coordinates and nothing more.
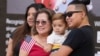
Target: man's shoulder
(84, 28)
(75, 30)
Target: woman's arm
(10, 49)
(23, 53)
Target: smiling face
(74, 17)
(43, 25)
(30, 16)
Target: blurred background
(12, 15)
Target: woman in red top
(42, 28)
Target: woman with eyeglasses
(79, 42)
(43, 28)
(23, 30)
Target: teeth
(30, 21)
(40, 29)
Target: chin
(71, 27)
(40, 32)
(30, 25)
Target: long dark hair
(24, 29)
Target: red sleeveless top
(30, 46)
(38, 51)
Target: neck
(84, 22)
(42, 36)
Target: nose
(31, 17)
(56, 28)
(40, 24)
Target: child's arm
(50, 41)
(49, 47)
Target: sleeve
(74, 39)
(51, 38)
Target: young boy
(59, 33)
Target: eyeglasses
(69, 14)
(42, 22)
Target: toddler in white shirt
(59, 33)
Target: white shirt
(57, 39)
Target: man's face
(73, 17)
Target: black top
(81, 41)
(17, 47)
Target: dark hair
(83, 2)
(37, 6)
(48, 12)
(24, 29)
